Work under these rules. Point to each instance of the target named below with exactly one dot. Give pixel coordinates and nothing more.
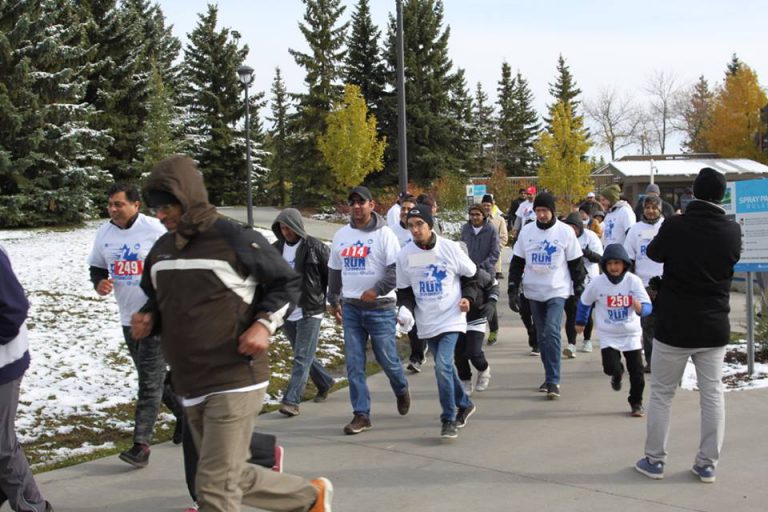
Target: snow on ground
(80, 365)
(734, 373)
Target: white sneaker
(570, 351)
(586, 346)
(483, 379)
(467, 386)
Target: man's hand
(336, 312)
(464, 305)
(254, 341)
(579, 329)
(141, 325)
(104, 287)
(369, 295)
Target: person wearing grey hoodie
(309, 258)
(361, 291)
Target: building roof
(681, 167)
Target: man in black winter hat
(698, 250)
(549, 253)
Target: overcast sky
(606, 43)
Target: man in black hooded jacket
(308, 256)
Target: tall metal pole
(402, 150)
(248, 158)
(750, 325)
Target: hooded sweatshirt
(363, 258)
(618, 219)
(14, 345)
(310, 262)
(613, 296)
(206, 284)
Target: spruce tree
(325, 36)
(280, 160)
(49, 159)
(697, 115)
(429, 79)
(504, 149)
(526, 128)
(215, 106)
(733, 66)
(564, 91)
(464, 150)
(364, 65)
(484, 131)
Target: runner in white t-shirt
(639, 237)
(548, 252)
(619, 300)
(435, 283)
(361, 291)
(116, 265)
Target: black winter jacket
(698, 250)
(311, 262)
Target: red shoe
(278, 467)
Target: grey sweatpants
(17, 485)
(668, 364)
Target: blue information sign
(747, 203)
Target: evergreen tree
(159, 134)
(460, 112)
(734, 66)
(325, 37)
(484, 130)
(696, 114)
(280, 161)
(350, 145)
(432, 132)
(526, 128)
(49, 159)
(564, 90)
(735, 129)
(364, 66)
(505, 99)
(215, 107)
(131, 40)
(564, 170)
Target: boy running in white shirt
(620, 299)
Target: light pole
(245, 75)
(402, 151)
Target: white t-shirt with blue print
(638, 238)
(547, 253)
(435, 277)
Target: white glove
(405, 320)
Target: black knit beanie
(709, 185)
(155, 198)
(423, 212)
(545, 200)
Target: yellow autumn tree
(735, 123)
(350, 145)
(564, 170)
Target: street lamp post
(402, 151)
(245, 75)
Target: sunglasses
(163, 208)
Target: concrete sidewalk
(518, 452)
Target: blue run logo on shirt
(609, 229)
(543, 256)
(354, 256)
(643, 249)
(434, 286)
(618, 307)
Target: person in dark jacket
(698, 250)
(309, 257)
(216, 292)
(17, 485)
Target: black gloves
(514, 297)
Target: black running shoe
(449, 430)
(553, 391)
(463, 415)
(137, 456)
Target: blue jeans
(547, 317)
(303, 335)
(449, 387)
(379, 324)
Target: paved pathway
(519, 452)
